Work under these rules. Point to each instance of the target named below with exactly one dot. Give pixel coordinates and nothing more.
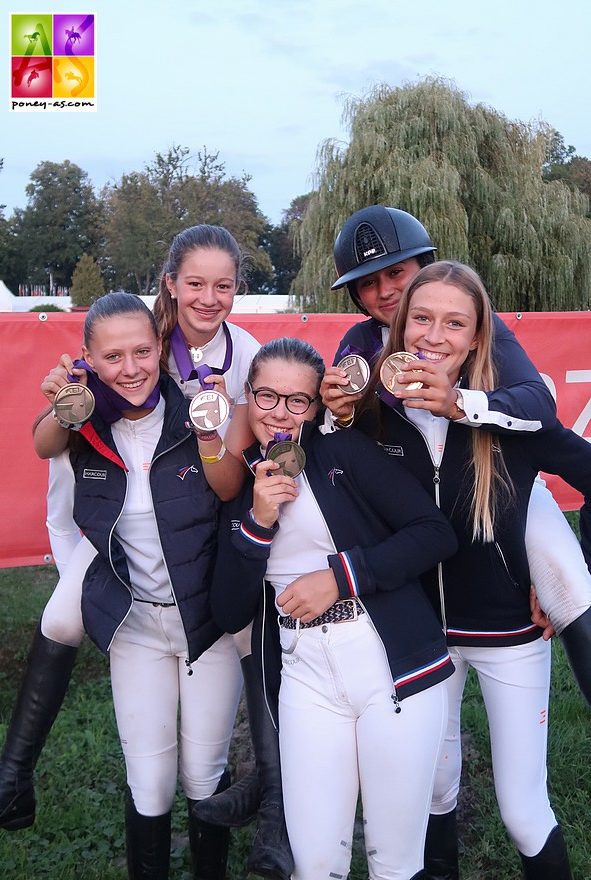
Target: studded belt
(342, 611)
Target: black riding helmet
(374, 238)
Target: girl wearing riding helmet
(483, 483)
(363, 657)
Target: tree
(281, 245)
(145, 210)
(59, 224)
(473, 177)
(87, 283)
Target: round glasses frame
(297, 404)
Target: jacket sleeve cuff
(350, 574)
(256, 535)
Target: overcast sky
(264, 82)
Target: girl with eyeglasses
(329, 562)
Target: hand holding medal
(343, 384)
(288, 454)
(210, 408)
(65, 388)
(399, 374)
(272, 488)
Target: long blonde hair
(491, 482)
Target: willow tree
(473, 177)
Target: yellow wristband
(211, 459)
(346, 422)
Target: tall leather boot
(147, 840)
(441, 847)
(209, 843)
(576, 639)
(551, 863)
(271, 854)
(43, 688)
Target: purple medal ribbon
(278, 437)
(186, 367)
(370, 354)
(109, 404)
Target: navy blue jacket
(482, 593)
(186, 511)
(386, 531)
(522, 393)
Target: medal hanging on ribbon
(357, 370)
(209, 409)
(73, 405)
(287, 453)
(390, 371)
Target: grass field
(78, 834)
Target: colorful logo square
(53, 62)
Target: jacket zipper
(155, 459)
(436, 483)
(393, 695)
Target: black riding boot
(147, 839)
(270, 855)
(441, 847)
(42, 690)
(551, 863)
(576, 639)
(235, 807)
(209, 843)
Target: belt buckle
(355, 608)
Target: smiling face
(204, 289)
(284, 377)
(380, 292)
(441, 325)
(124, 352)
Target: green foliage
(47, 307)
(473, 177)
(281, 245)
(79, 835)
(145, 210)
(59, 224)
(87, 283)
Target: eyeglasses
(297, 404)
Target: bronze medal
(208, 411)
(73, 405)
(357, 370)
(290, 456)
(390, 370)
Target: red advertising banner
(31, 343)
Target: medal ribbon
(371, 353)
(186, 367)
(109, 404)
(278, 437)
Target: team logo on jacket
(393, 450)
(334, 472)
(93, 474)
(235, 525)
(187, 470)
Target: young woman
(376, 277)
(363, 658)
(145, 596)
(481, 595)
(199, 280)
